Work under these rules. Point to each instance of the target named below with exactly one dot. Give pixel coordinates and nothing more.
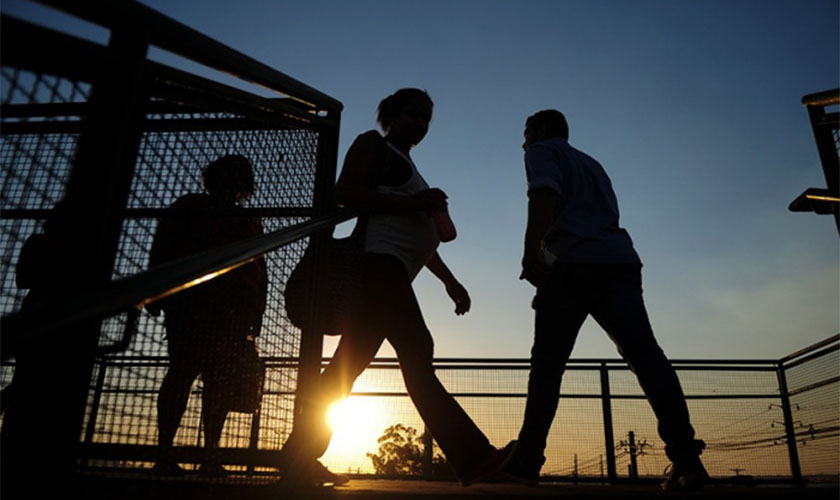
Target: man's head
(545, 124)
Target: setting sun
(357, 423)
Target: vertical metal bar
(311, 341)
(94, 406)
(609, 438)
(96, 192)
(828, 155)
(795, 469)
(255, 436)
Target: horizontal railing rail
(158, 282)
(177, 38)
(109, 456)
(44, 54)
(831, 344)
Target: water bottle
(445, 227)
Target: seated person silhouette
(33, 272)
(29, 418)
(206, 324)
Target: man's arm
(454, 289)
(541, 203)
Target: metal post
(828, 153)
(606, 405)
(311, 342)
(94, 406)
(96, 193)
(255, 436)
(795, 469)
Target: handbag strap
(378, 169)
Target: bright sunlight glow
(357, 423)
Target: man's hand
(459, 296)
(534, 268)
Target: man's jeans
(612, 294)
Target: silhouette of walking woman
(401, 238)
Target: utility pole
(634, 450)
(576, 469)
(602, 470)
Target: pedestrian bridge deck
(130, 487)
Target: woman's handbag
(243, 385)
(337, 300)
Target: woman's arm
(355, 184)
(454, 289)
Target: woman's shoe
(494, 463)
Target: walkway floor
(370, 489)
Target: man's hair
(230, 177)
(547, 124)
(390, 107)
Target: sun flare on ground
(357, 423)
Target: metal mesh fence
(34, 166)
(736, 410)
(37, 148)
(170, 165)
(815, 403)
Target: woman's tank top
(409, 236)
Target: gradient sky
(693, 108)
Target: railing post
(609, 439)
(94, 406)
(795, 469)
(311, 341)
(88, 236)
(255, 435)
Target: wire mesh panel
(735, 411)
(171, 168)
(214, 165)
(815, 405)
(35, 162)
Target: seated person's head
(230, 178)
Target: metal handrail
(824, 98)
(811, 348)
(153, 284)
(173, 36)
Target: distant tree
(401, 453)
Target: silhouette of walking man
(210, 326)
(582, 262)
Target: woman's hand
(459, 296)
(428, 200)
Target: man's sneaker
(685, 476)
(496, 461)
(518, 470)
(321, 475)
